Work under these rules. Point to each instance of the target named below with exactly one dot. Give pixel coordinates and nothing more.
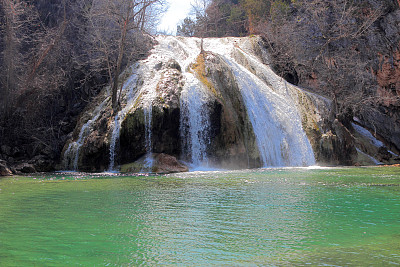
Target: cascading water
(128, 96)
(276, 122)
(148, 112)
(272, 111)
(132, 91)
(195, 122)
(269, 101)
(71, 155)
(194, 114)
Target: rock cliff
(152, 119)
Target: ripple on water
(250, 217)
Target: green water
(327, 217)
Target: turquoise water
(329, 217)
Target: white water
(194, 116)
(268, 99)
(128, 96)
(141, 84)
(374, 160)
(195, 122)
(148, 114)
(270, 105)
(71, 155)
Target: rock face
(233, 144)
(4, 170)
(25, 168)
(146, 133)
(165, 118)
(338, 146)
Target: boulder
(164, 163)
(25, 168)
(42, 164)
(4, 170)
(156, 163)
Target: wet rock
(25, 168)
(164, 163)
(4, 170)
(95, 154)
(157, 163)
(42, 164)
(337, 146)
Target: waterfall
(194, 122)
(113, 141)
(148, 113)
(71, 155)
(271, 108)
(270, 103)
(140, 86)
(275, 120)
(129, 96)
(194, 113)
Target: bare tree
(115, 27)
(17, 17)
(324, 44)
(28, 44)
(200, 10)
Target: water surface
(331, 217)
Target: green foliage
(279, 10)
(187, 28)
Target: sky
(177, 11)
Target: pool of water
(329, 217)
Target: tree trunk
(118, 66)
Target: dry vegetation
(55, 57)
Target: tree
(115, 30)
(202, 20)
(15, 20)
(324, 42)
(28, 44)
(186, 28)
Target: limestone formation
(147, 132)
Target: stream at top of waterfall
(280, 216)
